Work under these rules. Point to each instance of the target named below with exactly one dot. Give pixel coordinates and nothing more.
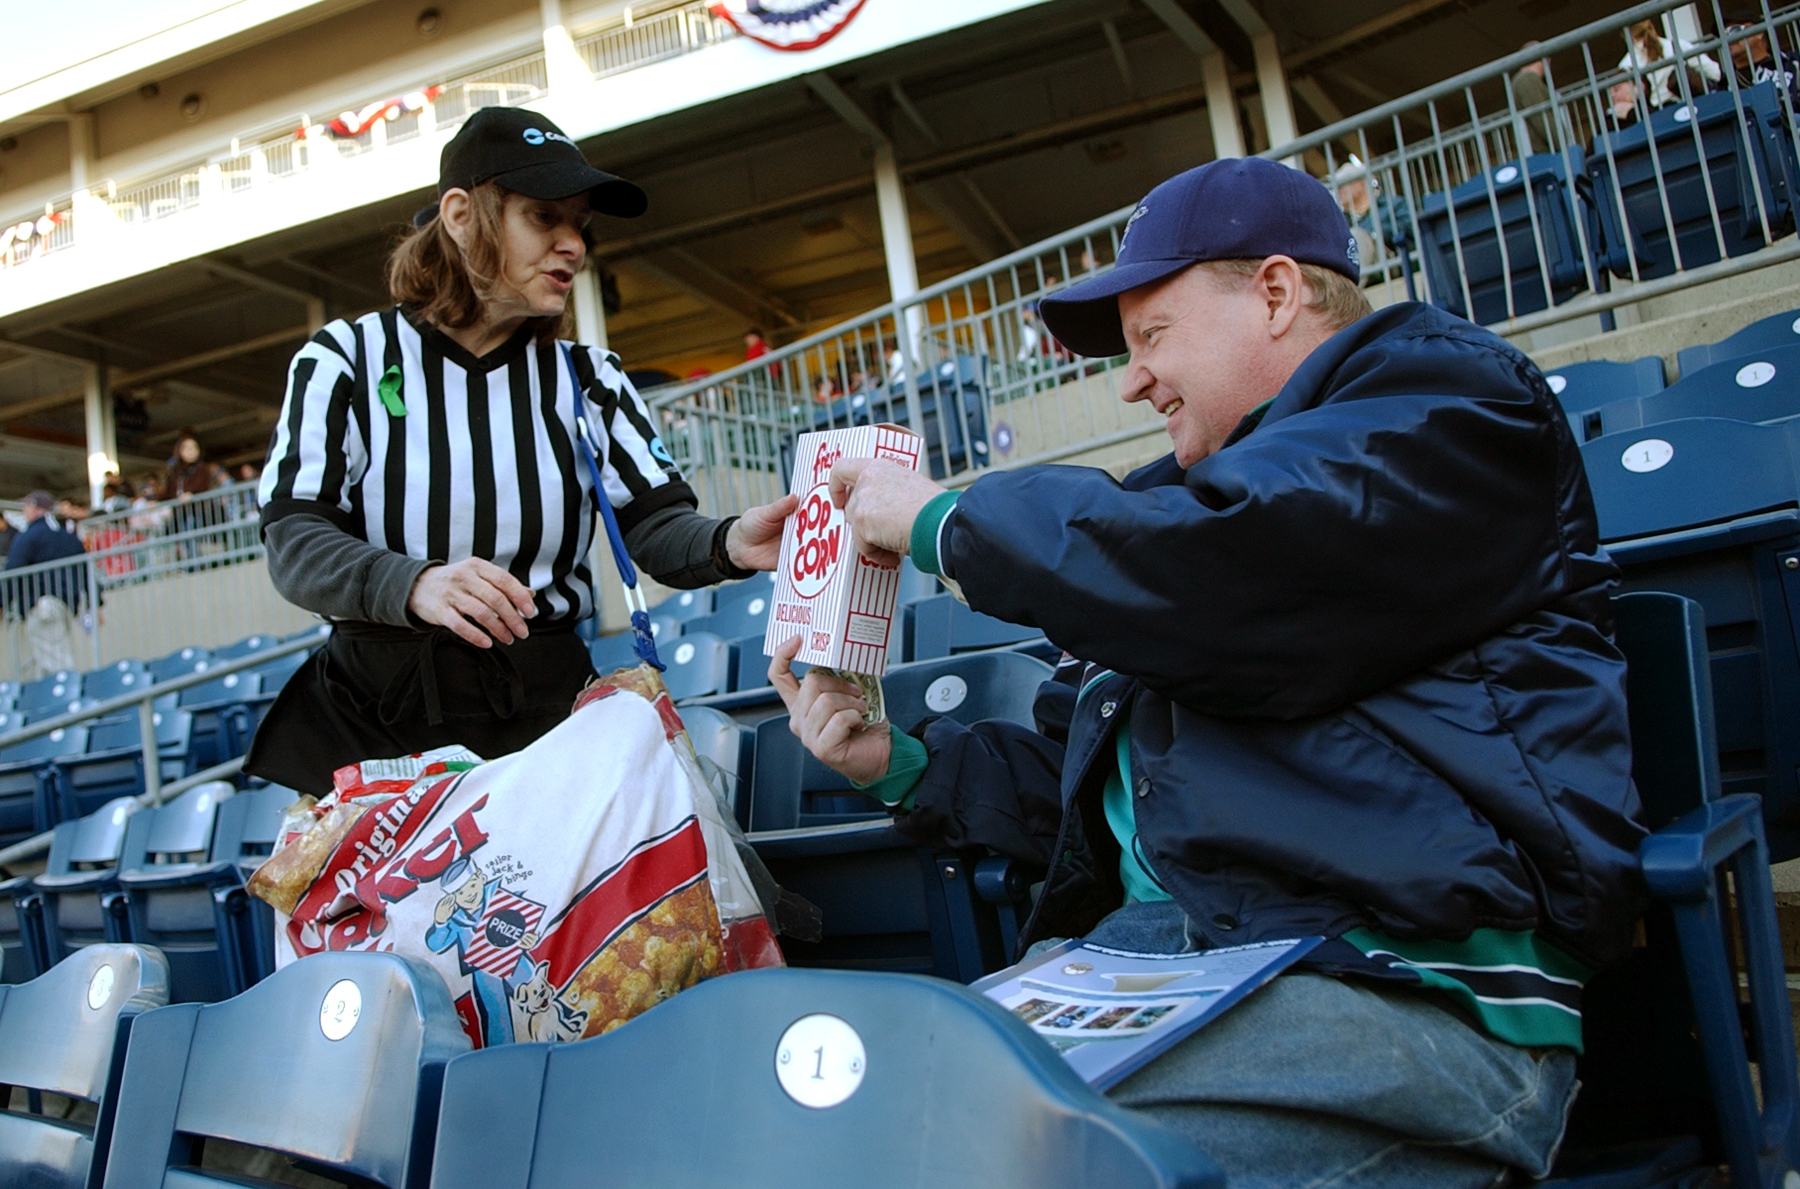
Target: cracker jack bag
(839, 602)
(559, 891)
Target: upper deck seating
(1531, 202)
(1711, 155)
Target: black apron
(375, 692)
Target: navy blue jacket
(44, 539)
(1366, 649)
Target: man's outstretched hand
(754, 540)
(825, 713)
(881, 499)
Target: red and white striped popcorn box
(839, 602)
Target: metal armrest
(1683, 864)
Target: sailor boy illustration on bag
(491, 929)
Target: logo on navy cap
(538, 136)
(1354, 253)
(1139, 213)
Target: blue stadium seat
(959, 385)
(1777, 330)
(1588, 385)
(121, 677)
(335, 1062)
(950, 1090)
(684, 605)
(180, 890)
(944, 625)
(1710, 509)
(245, 834)
(270, 680)
(617, 651)
(221, 710)
(28, 775)
(179, 663)
(698, 664)
(887, 904)
(66, 1033)
(24, 811)
(1458, 240)
(1666, 1075)
(741, 617)
(1760, 387)
(759, 585)
(65, 900)
(1733, 161)
(113, 764)
(21, 937)
(244, 647)
(726, 749)
(50, 695)
(916, 584)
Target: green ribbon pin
(389, 392)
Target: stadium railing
(306, 143)
(175, 574)
(143, 701)
(1435, 185)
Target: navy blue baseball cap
(1236, 208)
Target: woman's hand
(825, 712)
(473, 592)
(754, 540)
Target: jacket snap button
(1107, 708)
(1143, 787)
(1225, 921)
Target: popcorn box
(839, 602)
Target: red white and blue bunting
(788, 24)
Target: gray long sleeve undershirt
(317, 565)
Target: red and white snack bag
(387, 778)
(559, 891)
(840, 603)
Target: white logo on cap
(1139, 213)
(1355, 254)
(537, 136)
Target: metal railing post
(152, 750)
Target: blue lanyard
(643, 643)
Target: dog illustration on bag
(492, 930)
(540, 1014)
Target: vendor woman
(425, 489)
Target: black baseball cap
(1230, 209)
(529, 155)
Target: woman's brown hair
(429, 273)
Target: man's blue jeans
(1321, 1082)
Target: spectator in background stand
(115, 497)
(755, 347)
(1749, 42)
(1530, 90)
(8, 534)
(189, 472)
(149, 490)
(1647, 48)
(1625, 109)
(49, 598)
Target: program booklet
(1109, 1012)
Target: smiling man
(1345, 669)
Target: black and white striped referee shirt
(475, 457)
